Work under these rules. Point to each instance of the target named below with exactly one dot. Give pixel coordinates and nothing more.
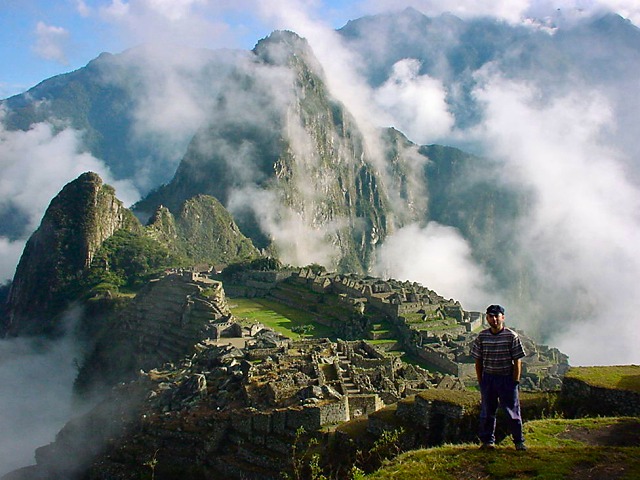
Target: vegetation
(207, 233)
(285, 320)
(127, 261)
(234, 270)
(624, 377)
(558, 449)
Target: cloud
(296, 240)
(36, 164)
(197, 23)
(116, 10)
(82, 8)
(582, 230)
(51, 42)
(437, 257)
(10, 252)
(173, 10)
(417, 103)
(37, 377)
(513, 11)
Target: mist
(439, 257)
(36, 398)
(582, 232)
(573, 144)
(569, 144)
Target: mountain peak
(281, 47)
(77, 221)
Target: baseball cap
(495, 309)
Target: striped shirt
(497, 351)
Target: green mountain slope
(89, 244)
(83, 215)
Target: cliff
(78, 220)
(90, 245)
(290, 163)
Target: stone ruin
(256, 398)
(435, 329)
(238, 410)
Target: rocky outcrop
(77, 221)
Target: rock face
(56, 267)
(78, 220)
(298, 159)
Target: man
(497, 352)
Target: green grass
(561, 433)
(381, 341)
(276, 316)
(554, 454)
(621, 377)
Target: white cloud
(51, 42)
(297, 241)
(583, 228)
(197, 23)
(173, 10)
(37, 378)
(116, 10)
(82, 8)
(10, 252)
(417, 103)
(437, 257)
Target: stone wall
(439, 359)
(580, 399)
(364, 404)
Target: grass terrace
(621, 377)
(276, 316)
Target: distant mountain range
(262, 132)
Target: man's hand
(479, 370)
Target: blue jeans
(502, 388)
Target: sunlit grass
(624, 377)
(552, 455)
(276, 316)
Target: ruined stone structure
(162, 324)
(433, 328)
(582, 399)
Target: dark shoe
(521, 446)
(488, 446)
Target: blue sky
(43, 38)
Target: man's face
(495, 321)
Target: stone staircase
(348, 386)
